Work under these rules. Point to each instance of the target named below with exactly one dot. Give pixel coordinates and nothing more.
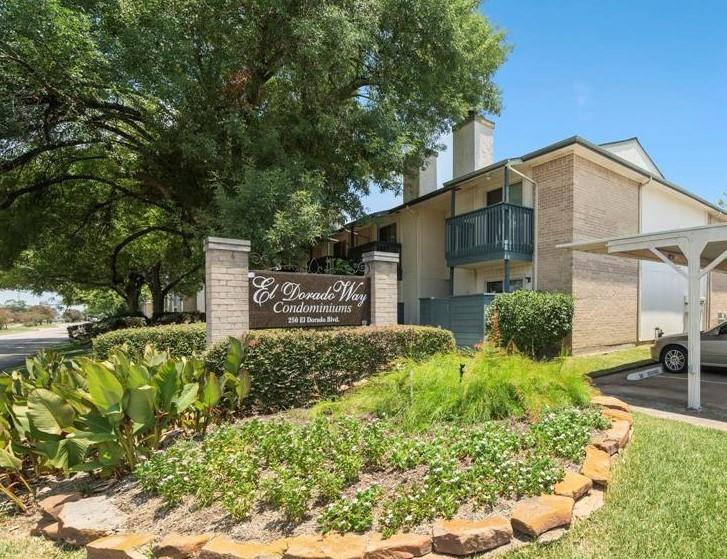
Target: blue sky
(613, 70)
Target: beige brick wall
(226, 288)
(554, 216)
(580, 200)
(605, 288)
(382, 270)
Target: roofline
(573, 140)
(632, 138)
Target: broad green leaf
(72, 451)
(187, 396)
(243, 386)
(9, 461)
(138, 376)
(48, 412)
(104, 388)
(167, 383)
(211, 391)
(96, 423)
(20, 420)
(233, 361)
(140, 407)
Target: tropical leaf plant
(106, 416)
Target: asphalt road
(668, 392)
(14, 348)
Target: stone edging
(73, 520)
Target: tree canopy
(133, 128)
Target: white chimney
(421, 182)
(473, 145)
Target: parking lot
(668, 392)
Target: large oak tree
(152, 123)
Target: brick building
(496, 226)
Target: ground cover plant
(296, 467)
(467, 389)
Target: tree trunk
(154, 281)
(132, 291)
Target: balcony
(491, 233)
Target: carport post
(692, 249)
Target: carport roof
(667, 243)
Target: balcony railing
(490, 233)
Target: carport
(701, 249)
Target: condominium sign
(288, 300)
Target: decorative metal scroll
(323, 265)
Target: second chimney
(421, 181)
(472, 145)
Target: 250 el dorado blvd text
(295, 299)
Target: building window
(498, 286)
(516, 195)
(388, 233)
(494, 196)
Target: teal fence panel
(464, 315)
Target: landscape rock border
(543, 518)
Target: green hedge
(178, 339)
(291, 368)
(533, 322)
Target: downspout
(452, 208)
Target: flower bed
(442, 474)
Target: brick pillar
(381, 267)
(226, 288)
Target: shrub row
(292, 368)
(179, 340)
(89, 330)
(532, 322)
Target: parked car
(671, 351)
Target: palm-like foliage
(106, 416)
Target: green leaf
(8, 460)
(243, 387)
(138, 376)
(211, 391)
(140, 407)
(104, 388)
(48, 412)
(186, 397)
(167, 382)
(233, 361)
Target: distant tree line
(18, 312)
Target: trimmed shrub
(532, 322)
(179, 340)
(88, 330)
(291, 368)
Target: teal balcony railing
(490, 233)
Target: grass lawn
(19, 328)
(668, 500)
(603, 363)
(34, 548)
